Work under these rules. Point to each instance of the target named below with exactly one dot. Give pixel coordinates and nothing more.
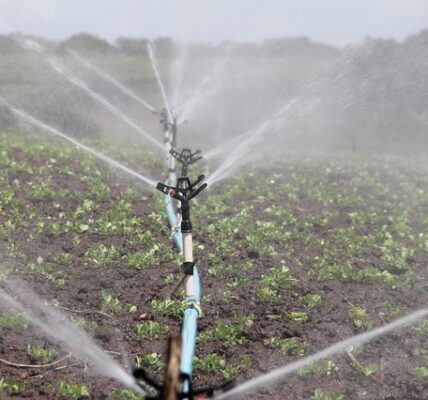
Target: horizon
(332, 22)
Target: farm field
(295, 256)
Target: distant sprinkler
(186, 158)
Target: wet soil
(399, 353)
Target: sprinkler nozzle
(185, 190)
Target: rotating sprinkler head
(184, 192)
(186, 158)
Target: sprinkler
(186, 158)
(178, 377)
(163, 119)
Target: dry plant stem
(355, 363)
(16, 365)
(176, 286)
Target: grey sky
(332, 21)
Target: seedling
(40, 353)
(321, 395)
(74, 391)
(151, 330)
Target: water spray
(39, 124)
(59, 328)
(257, 383)
(160, 83)
(112, 80)
(60, 69)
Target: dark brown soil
(398, 352)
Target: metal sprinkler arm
(185, 190)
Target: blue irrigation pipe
(183, 191)
(183, 245)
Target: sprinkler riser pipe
(188, 247)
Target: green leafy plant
(290, 346)
(321, 395)
(13, 318)
(45, 355)
(152, 360)
(226, 333)
(168, 307)
(151, 330)
(420, 372)
(73, 391)
(12, 386)
(124, 394)
(213, 363)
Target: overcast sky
(332, 21)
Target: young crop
(102, 255)
(168, 307)
(80, 321)
(73, 391)
(152, 360)
(321, 395)
(290, 346)
(275, 280)
(46, 270)
(319, 368)
(151, 330)
(124, 394)
(12, 387)
(421, 328)
(43, 354)
(13, 318)
(213, 363)
(368, 369)
(420, 372)
(297, 316)
(110, 303)
(226, 333)
(311, 301)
